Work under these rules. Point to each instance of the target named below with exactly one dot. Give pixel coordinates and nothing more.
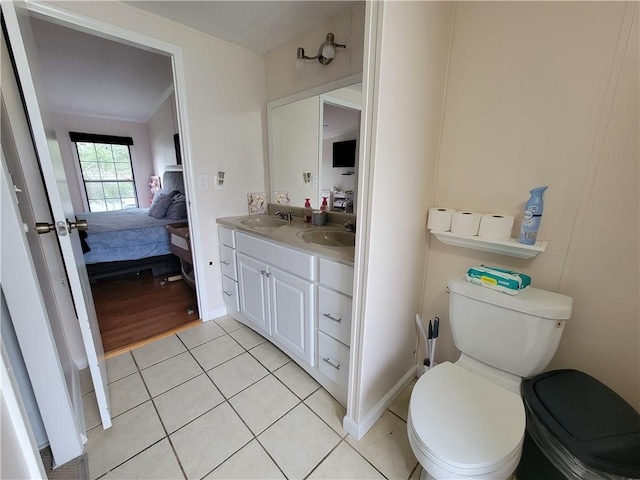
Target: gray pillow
(178, 208)
(160, 206)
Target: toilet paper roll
(440, 219)
(465, 223)
(495, 226)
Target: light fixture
(326, 52)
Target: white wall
(162, 126)
(282, 77)
(406, 98)
(141, 158)
(529, 90)
(226, 104)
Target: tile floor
(219, 401)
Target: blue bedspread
(125, 235)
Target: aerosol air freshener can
(532, 216)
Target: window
(107, 172)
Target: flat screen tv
(344, 154)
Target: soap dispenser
(307, 210)
(324, 206)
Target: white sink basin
(329, 238)
(263, 221)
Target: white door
(23, 49)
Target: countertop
(288, 235)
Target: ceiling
(88, 75)
(260, 26)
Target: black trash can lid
(589, 419)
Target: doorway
(102, 87)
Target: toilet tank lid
(532, 301)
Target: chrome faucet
(349, 226)
(284, 215)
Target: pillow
(178, 208)
(160, 205)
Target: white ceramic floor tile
(269, 355)
(120, 366)
(228, 324)
(387, 447)
(250, 462)
(298, 441)
(170, 373)
(297, 380)
(345, 462)
(401, 404)
(203, 333)
(209, 440)
(185, 402)
(157, 462)
(237, 374)
(263, 403)
(247, 337)
(328, 408)
(131, 432)
(216, 352)
(124, 394)
(158, 351)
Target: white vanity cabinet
(226, 237)
(276, 293)
(335, 284)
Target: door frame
(137, 40)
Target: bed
(131, 240)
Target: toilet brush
(424, 336)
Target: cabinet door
(291, 313)
(254, 303)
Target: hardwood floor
(135, 309)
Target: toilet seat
(464, 424)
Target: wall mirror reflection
(314, 148)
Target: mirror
(314, 147)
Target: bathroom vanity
(291, 282)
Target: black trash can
(581, 429)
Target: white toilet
(467, 419)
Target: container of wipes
(499, 279)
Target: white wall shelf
(509, 247)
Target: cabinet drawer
(228, 262)
(285, 258)
(337, 276)
(230, 293)
(226, 236)
(333, 359)
(334, 314)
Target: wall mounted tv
(344, 154)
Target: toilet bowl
(467, 419)
(462, 425)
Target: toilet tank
(518, 334)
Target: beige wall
(282, 77)
(162, 126)
(529, 90)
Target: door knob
(80, 224)
(44, 227)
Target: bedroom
(114, 107)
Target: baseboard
(359, 430)
(217, 313)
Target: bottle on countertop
(324, 205)
(307, 210)
(532, 216)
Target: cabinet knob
(262, 272)
(331, 317)
(331, 364)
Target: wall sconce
(220, 180)
(326, 52)
(306, 178)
